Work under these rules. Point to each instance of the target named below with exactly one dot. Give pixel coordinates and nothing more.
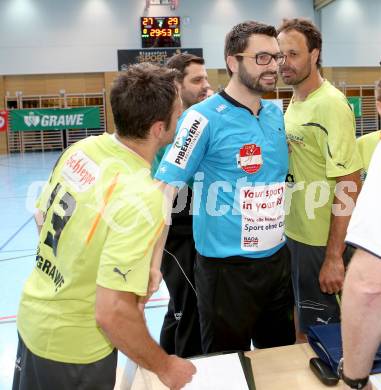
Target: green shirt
(321, 135)
(103, 215)
(367, 145)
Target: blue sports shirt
(239, 163)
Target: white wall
(63, 36)
(352, 33)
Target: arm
(361, 308)
(39, 219)
(118, 315)
(331, 276)
(157, 255)
(155, 275)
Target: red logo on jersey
(250, 158)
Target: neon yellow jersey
(367, 145)
(321, 136)
(103, 215)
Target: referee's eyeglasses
(264, 58)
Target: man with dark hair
(101, 216)
(180, 333)
(234, 147)
(193, 77)
(323, 177)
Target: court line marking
(16, 233)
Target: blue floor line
(15, 233)
(18, 257)
(18, 250)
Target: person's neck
(307, 86)
(143, 148)
(243, 95)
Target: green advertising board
(55, 119)
(355, 103)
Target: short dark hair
(308, 29)
(181, 61)
(237, 38)
(140, 96)
(377, 90)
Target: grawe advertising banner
(355, 103)
(3, 120)
(156, 56)
(55, 119)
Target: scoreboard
(160, 31)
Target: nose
(285, 60)
(206, 84)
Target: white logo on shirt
(187, 138)
(220, 108)
(80, 171)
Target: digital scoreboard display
(160, 31)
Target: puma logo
(124, 275)
(318, 319)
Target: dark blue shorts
(312, 305)
(33, 372)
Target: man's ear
(314, 56)
(232, 63)
(158, 130)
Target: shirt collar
(237, 103)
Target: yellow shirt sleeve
(127, 251)
(339, 143)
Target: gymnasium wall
(45, 36)
(47, 46)
(351, 33)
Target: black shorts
(243, 300)
(180, 333)
(35, 373)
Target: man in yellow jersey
(368, 142)
(323, 179)
(102, 214)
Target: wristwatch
(352, 383)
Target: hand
(331, 277)
(155, 278)
(177, 373)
